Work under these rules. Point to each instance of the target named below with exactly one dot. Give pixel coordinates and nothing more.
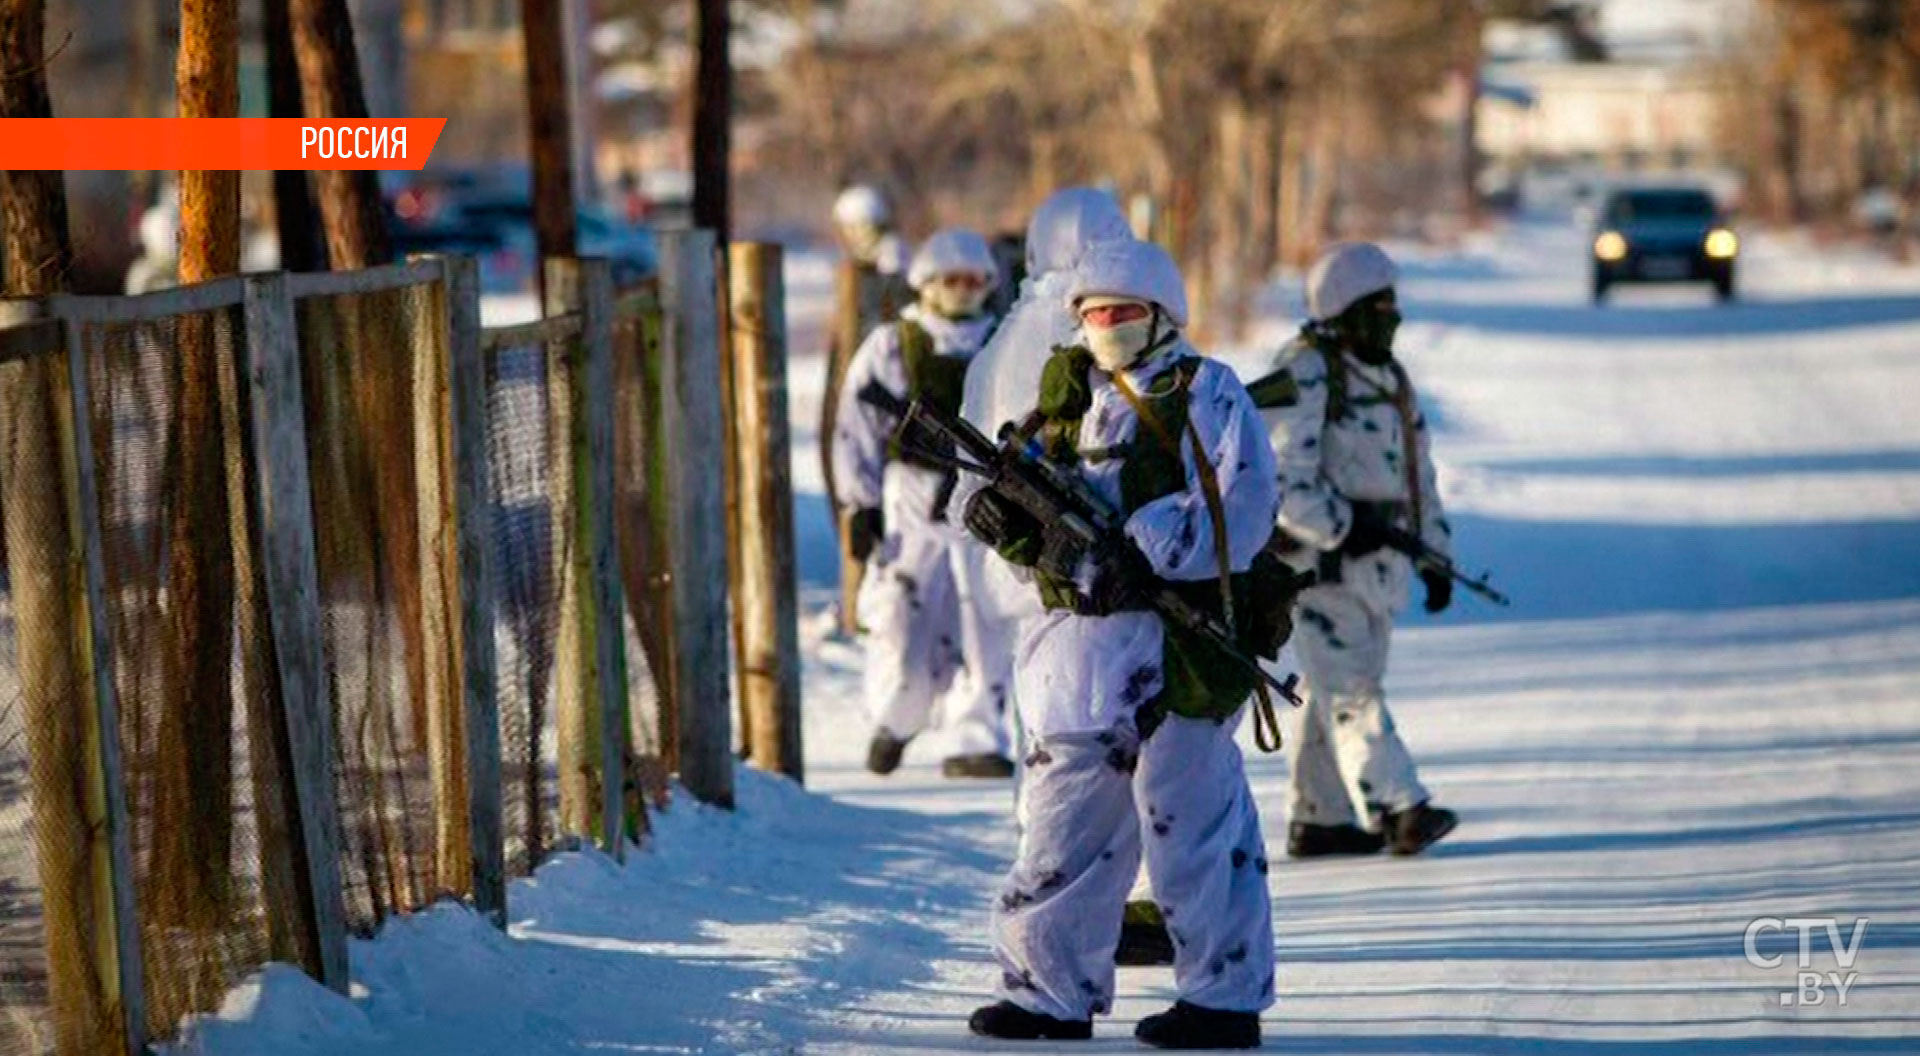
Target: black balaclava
(1368, 326)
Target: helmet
(1346, 273)
(952, 250)
(862, 204)
(1067, 223)
(1134, 270)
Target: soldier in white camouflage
(921, 660)
(1351, 446)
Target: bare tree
(543, 25)
(712, 117)
(293, 209)
(330, 89)
(195, 746)
(38, 258)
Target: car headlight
(1721, 244)
(1610, 246)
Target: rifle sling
(1264, 719)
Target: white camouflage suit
(1348, 763)
(1002, 383)
(916, 656)
(1094, 797)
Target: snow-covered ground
(1700, 713)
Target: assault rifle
(1426, 557)
(1057, 497)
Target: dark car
(1662, 234)
(629, 248)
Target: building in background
(1647, 97)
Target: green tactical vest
(939, 380)
(1198, 680)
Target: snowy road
(1701, 712)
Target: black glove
(1439, 589)
(1121, 579)
(865, 529)
(1008, 529)
(1371, 522)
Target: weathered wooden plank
(415, 270)
(594, 393)
(117, 929)
(473, 518)
(695, 430)
(55, 688)
(766, 609)
(576, 728)
(439, 631)
(284, 513)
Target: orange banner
(161, 143)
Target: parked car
(1662, 234)
(629, 248)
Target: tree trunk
(1265, 218)
(39, 254)
(54, 685)
(543, 24)
(143, 95)
(1786, 111)
(293, 209)
(193, 806)
(330, 89)
(712, 117)
(208, 76)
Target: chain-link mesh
(186, 618)
(385, 651)
(40, 843)
(532, 506)
(642, 530)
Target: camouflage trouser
(1090, 800)
(976, 710)
(912, 619)
(1348, 763)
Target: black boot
(1417, 828)
(979, 764)
(1187, 1026)
(884, 751)
(1144, 939)
(1008, 1020)
(1307, 840)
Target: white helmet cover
(1347, 272)
(952, 250)
(1067, 223)
(862, 204)
(1134, 270)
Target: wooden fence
(317, 602)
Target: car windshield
(1661, 205)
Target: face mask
(953, 302)
(1369, 331)
(1116, 348)
(863, 241)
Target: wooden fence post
(473, 515)
(844, 337)
(586, 286)
(573, 652)
(438, 547)
(81, 913)
(766, 609)
(116, 935)
(283, 513)
(697, 521)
